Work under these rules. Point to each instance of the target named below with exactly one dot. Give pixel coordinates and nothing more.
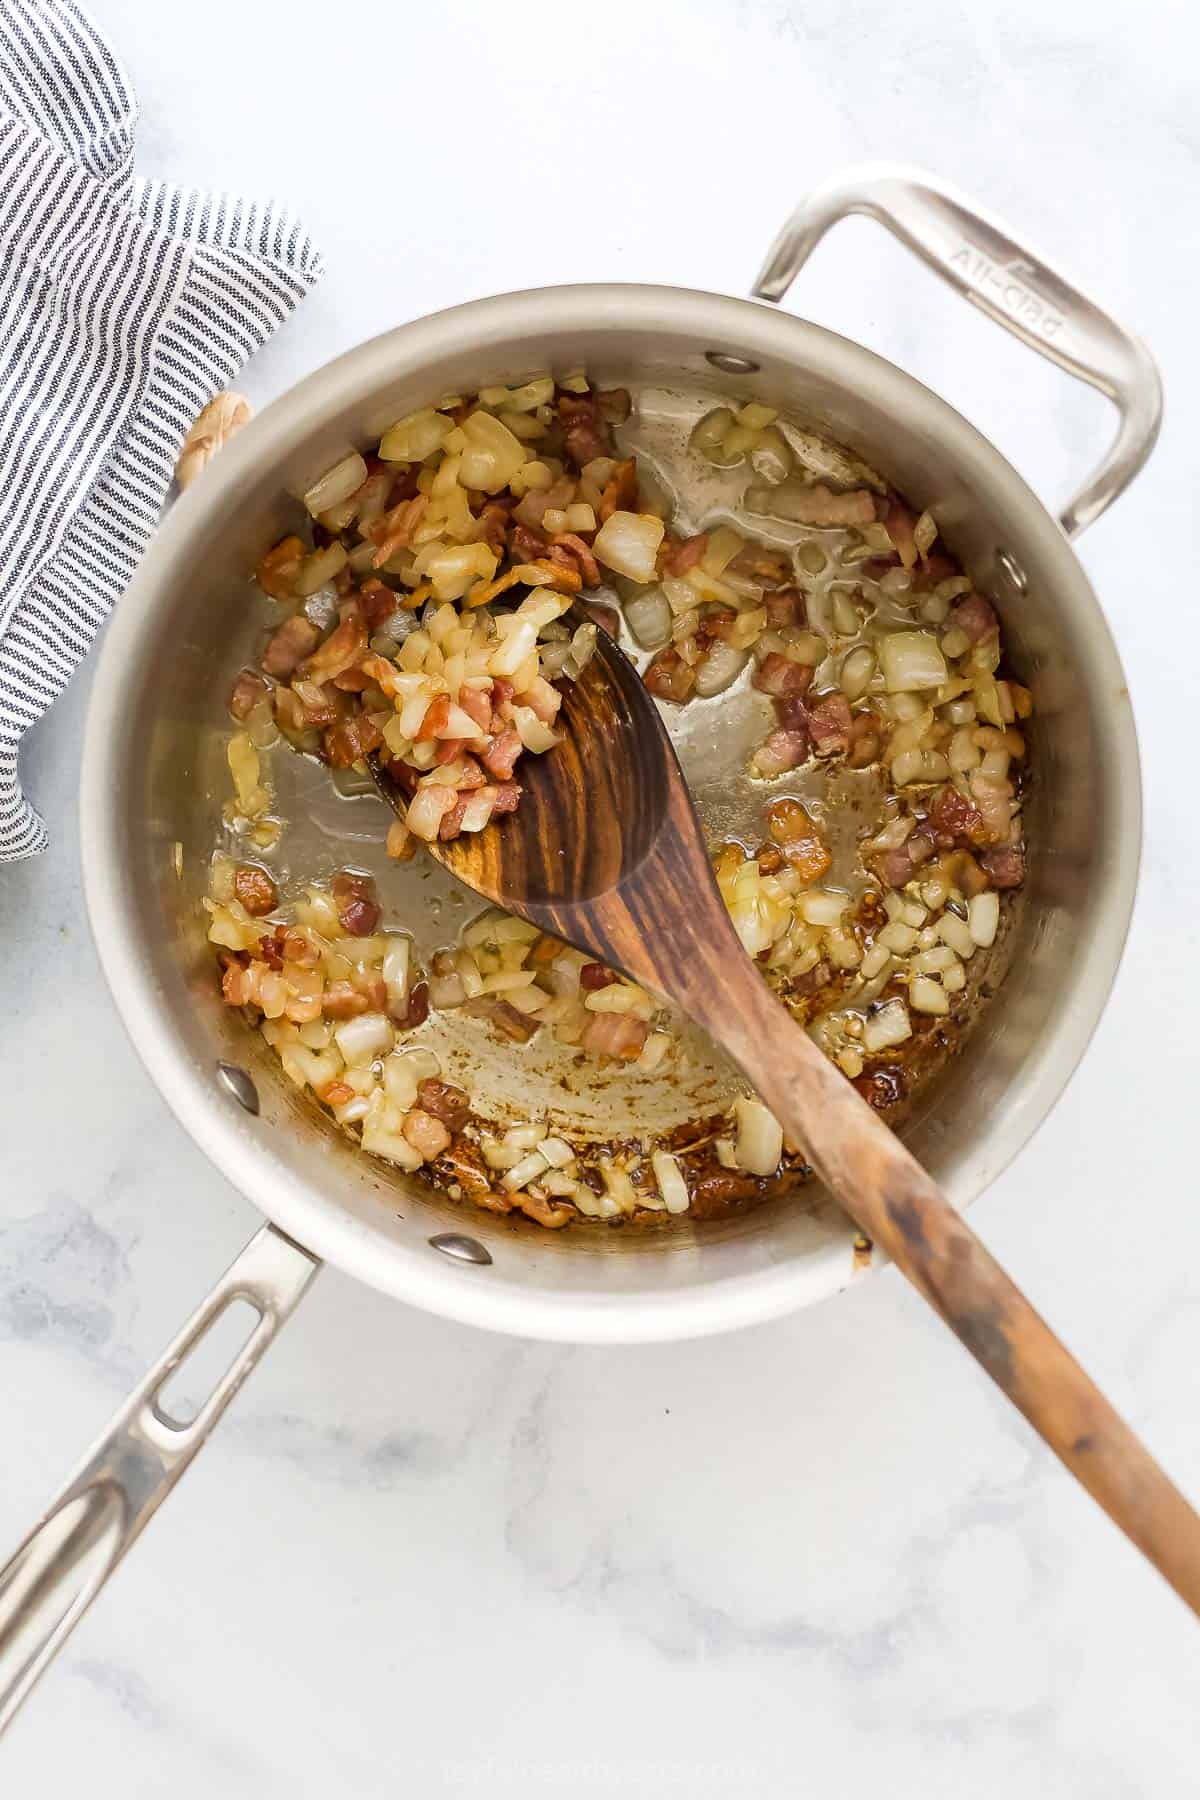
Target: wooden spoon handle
(888, 1194)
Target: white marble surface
(819, 1558)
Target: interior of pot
(156, 778)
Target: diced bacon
(792, 713)
(975, 618)
(295, 639)
(493, 523)
(434, 721)
(500, 757)
(297, 947)
(417, 1010)
(785, 606)
(784, 749)
(276, 573)
(247, 691)
(505, 795)
(472, 776)
(606, 617)
(478, 707)
(343, 1001)
(427, 1135)
(445, 1102)
(449, 750)
(379, 602)
(778, 675)
(866, 739)
(526, 545)
(350, 740)
(718, 623)
(896, 867)
(357, 908)
(621, 490)
(934, 568)
(758, 563)
(394, 530)
(345, 646)
(1004, 866)
(829, 725)
(668, 677)
(615, 1034)
(614, 404)
(585, 435)
(678, 558)
(318, 707)
(900, 523)
(451, 823)
(594, 975)
(508, 1020)
(335, 1093)
(502, 693)
(819, 505)
(529, 512)
(954, 818)
(589, 569)
(255, 889)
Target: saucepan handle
(1012, 285)
(52, 1579)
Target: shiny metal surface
(154, 776)
(1012, 285)
(235, 1081)
(462, 1248)
(52, 1578)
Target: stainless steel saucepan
(154, 779)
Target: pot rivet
(461, 1247)
(731, 365)
(1011, 567)
(235, 1081)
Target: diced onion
(890, 1025)
(957, 934)
(927, 996)
(911, 660)
(759, 1143)
(337, 484)
(648, 616)
(361, 1040)
(983, 918)
(629, 543)
(395, 972)
(919, 765)
(415, 437)
(857, 669)
(493, 455)
(319, 568)
(671, 1184)
(719, 670)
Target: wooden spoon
(606, 851)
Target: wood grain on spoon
(606, 851)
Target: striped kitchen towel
(124, 306)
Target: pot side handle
(50, 1581)
(977, 256)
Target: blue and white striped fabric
(125, 305)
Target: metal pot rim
(492, 1299)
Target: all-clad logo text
(1006, 283)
